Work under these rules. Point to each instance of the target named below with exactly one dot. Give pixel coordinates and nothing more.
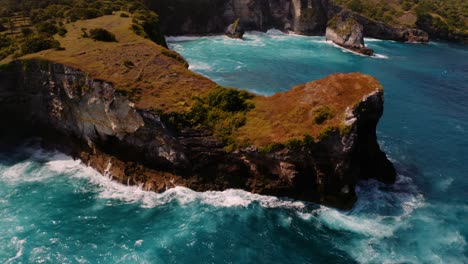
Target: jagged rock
(380, 30)
(213, 16)
(303, 17)
(235, 30)
(90, 120)
(438, 29)
(344, 30)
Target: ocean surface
(56, 210)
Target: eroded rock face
(307, 17)
(235, 30)
(432, 25)
(380, 30)
(344, 30)
(92, 121)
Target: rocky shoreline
(136, 146)
(311, 17)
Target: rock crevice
(93, 121)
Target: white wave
(320, 41)
(19, 244)
(380, 56)
(182, 38)
(200, 66)
(361, 225)
(275, 32)
(372, 40)
(376, 56)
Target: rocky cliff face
(438, 29)
(344, 30)
(307, 17)
(186, 17)
(379, 30)
(93, 121)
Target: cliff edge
(132, 110)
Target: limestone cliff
(379, 30)
(186, 17)
(91, 120)
(345, 31)
(307, 17)
(132, 109)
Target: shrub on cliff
(5, 41)
(101, 34)
(322, 114)
(223, 111)
(83, 13)
(47, 28)
(38, 43)
(149, 22)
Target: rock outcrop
(187, 17)
(344, 30)
(438, 29)
(380, 30)
(306, 17)
(235, 30)
(91, 120)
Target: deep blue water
(56, 210)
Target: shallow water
(56, 210)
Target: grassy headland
(450, 15)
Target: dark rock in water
(380, 30)
(344, 30)
(235, 30)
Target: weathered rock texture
(90, 120)
(438, 29)
(235, 30)
(380, 30)
(344, 30)
(307, 17)
(185, 17)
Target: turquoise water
(56, 210)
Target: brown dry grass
(287, 115)
(164, 82)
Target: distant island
(96, 80)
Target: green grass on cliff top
(453, 13)
(157, 79)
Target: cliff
(156, 124)
(307, 17)
(380, 30)
(185, 17)
(344, 30)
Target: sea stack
(344, 30)
(235, 30)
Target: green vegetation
(38, 43)
(175, 55)
(133, 94)
(450, 15)
(31, 20)
(326, 132)
(293, 144)
(235, 24)
(129, 64)
(101, 34)
(223, 111)
(322, 114)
